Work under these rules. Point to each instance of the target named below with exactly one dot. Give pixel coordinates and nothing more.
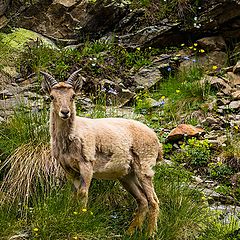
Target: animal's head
(62, 93)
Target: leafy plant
(196, 153)
(219, 171)
(231, 152)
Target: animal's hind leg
(131, 184)
(148, 188)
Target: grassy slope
(47, 211)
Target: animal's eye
(73, 96)
(51, 97)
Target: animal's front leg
(82, 185)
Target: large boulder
(184, 131)
(70, 18)
(67, 19)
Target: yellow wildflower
(195, 49)
(236, 127)
(183, 44)
(220, 163)
(201, 50)
(163, 97)
(84, 210)
(195, 44)
(75, 213)
(191, 47)
(138, 48)
(177, 91)
(204, 198)
(214, 67)
(35, 229)
(91, 213)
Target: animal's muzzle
(64, 114)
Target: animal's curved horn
(52, 81)
(73, 77)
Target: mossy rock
(13, 43)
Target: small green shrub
(138, 58)
(231, 152)
(196, 153)
(167, 148)
(220, 171)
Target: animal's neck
(60, 130)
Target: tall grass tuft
(27, 168)
(182, 211)
(31, 172)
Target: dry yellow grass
(30, 169)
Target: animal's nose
(65, 112)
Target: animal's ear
(76, 80)
(48, 82)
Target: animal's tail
(160, 153)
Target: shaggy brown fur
(108, 148)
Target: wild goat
(107, 148)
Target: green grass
(179, 94)
(23, 127)
(183, 213)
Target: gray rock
(5, 94)
(150, 35)
(66, 3)
(234, 105)
(210, 120)
(147, 77)
(20, 236)
(218, 84)
(234, 79)
(222, 101)
(236, 95)
(212, 196)
(2, 119)
(237, 117)
(197, 179)
(61, 18)
(212, 43)
(3, 21)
